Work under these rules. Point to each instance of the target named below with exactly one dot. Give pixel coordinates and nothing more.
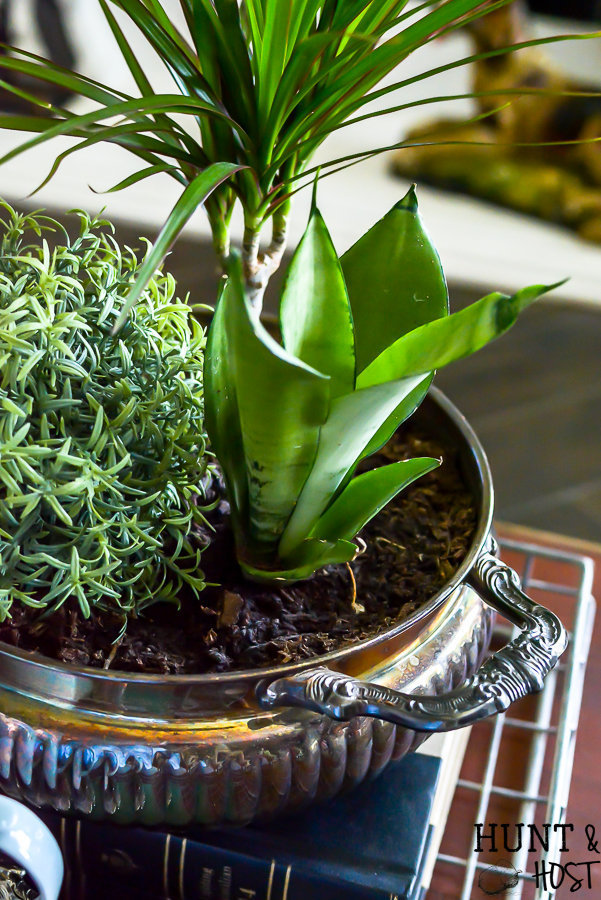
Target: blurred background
(534, 397)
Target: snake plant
(361, 338)
(258, 85)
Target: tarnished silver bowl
(169, 750)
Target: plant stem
(221, 234)
(258, 266)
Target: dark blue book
(367, 845)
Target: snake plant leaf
(312, 554)
(315, 316)
(405, 409)
(193, 196)
(402, 412)
(352, 422)
(366, 495)
(280, 428)
(222, 416)
(440, 342)
(394, 280)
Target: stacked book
(377, 843)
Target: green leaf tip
(409, 201)
(314, 193)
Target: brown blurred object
(488, 159)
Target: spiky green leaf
(315, 316)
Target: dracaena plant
(361, 338)
(258, 85)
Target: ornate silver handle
(516, 670)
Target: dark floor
(533, 397)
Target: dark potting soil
(412, 548)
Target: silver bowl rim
(39, 662)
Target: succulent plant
(103, 465)
(361, 338)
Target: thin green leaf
(117, 131)
(25, 123)
(44, 70)
(256, 24)
(315, 316)
(371, 69)
(138, 176)
(458, 63)
(194, 196)
(140, 144)
(222, 415)
(165, 21)
(130, 108)
(129, 56)
(333, 103)
(366, 495)
(135, 68)
(178, 57)
(232, 58)
(292, 87)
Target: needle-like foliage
(257, 85)
(103, 467)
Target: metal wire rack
(531, 783)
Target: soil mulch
(413, 546)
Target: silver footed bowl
(172, 750)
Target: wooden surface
(584, 805)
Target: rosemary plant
(103, 467)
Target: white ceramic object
(25, 838)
